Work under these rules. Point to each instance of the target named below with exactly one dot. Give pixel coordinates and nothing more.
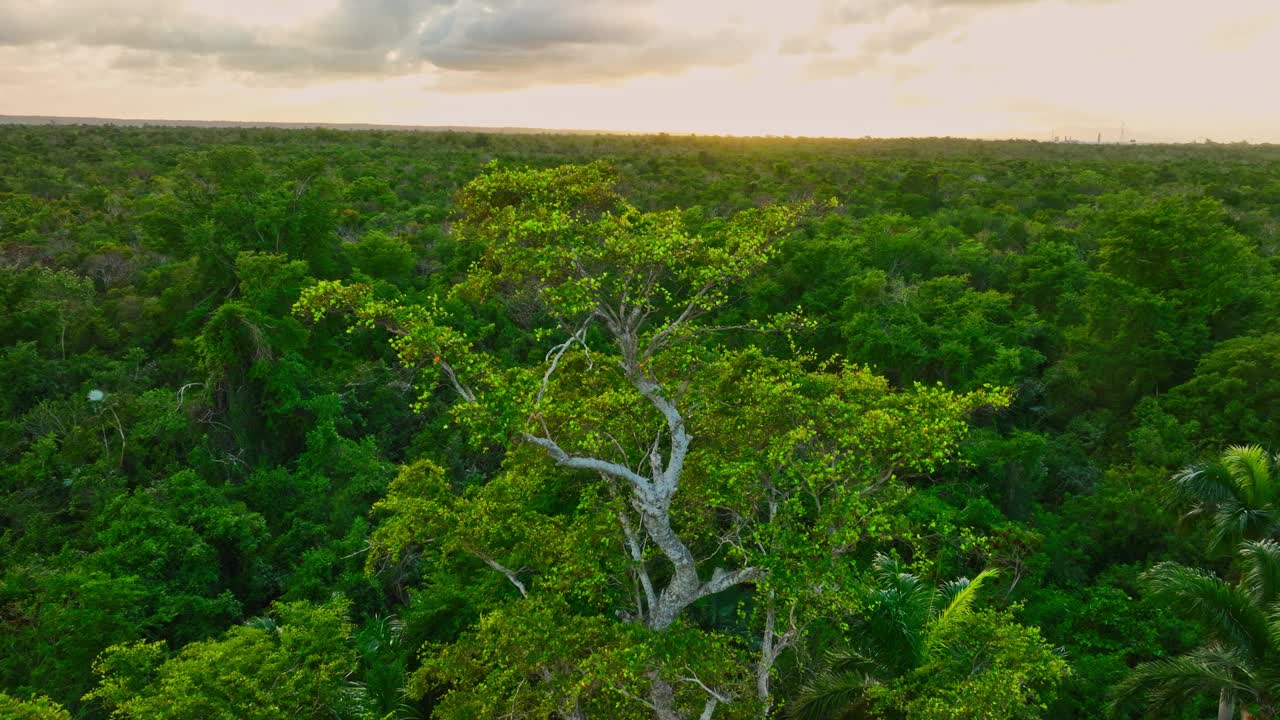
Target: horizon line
(96, 120)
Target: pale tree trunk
(652, 497)
(663, 697)
(767, 655)
(772, 645)
(1226, 706)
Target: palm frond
(1228, 612)
(1251, 468)
(1260, 563)
(1234, 520)
(264, 623)
(1266, 679)
(1273, 630)
(901, 604)
(885, 568)
(1203, 484)
(846, 660)
(897, 587)
(957, 596)
(832, 696)
(381, 632)
(1202, 673)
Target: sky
(1165, 70)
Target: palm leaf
(832, 696)
(1260, 563)
(901, 605)
(1203, 485)
(1233, 520)
(1228, 612)
(264, 623)
(1239, 493)
(1254, 471)
(1171, 683)
(849, 660)
(958, 595)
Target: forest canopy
(324, 424)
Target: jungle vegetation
(380, 425)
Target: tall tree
(610, 547)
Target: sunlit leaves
(295, 664)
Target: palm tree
(1240, 663)
(1239, 494)
(384, 658)
(892, 639)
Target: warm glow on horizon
(1166, 69)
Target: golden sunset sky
(1166, 69)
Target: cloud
(1238, 32)
(894, 28)
(521, 43)
(378, 25)
(478, 35)
(852, 12)
(465, 43)
(352, 38)
(813, 43)
(486, 45)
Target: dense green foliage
(1033, 359)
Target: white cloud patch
(855, 36)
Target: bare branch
(393, 326)
(631, 696)
(714, 695)
(722, 580)
(655, 457)
(680, 438)
(690, 311)
(182, 392)
(458, 387)
(771, 647)
(637, 556)
(508, 572)
(585, 463)
(120, 429)
(622, 452)
(555, 353)
(885, 476)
